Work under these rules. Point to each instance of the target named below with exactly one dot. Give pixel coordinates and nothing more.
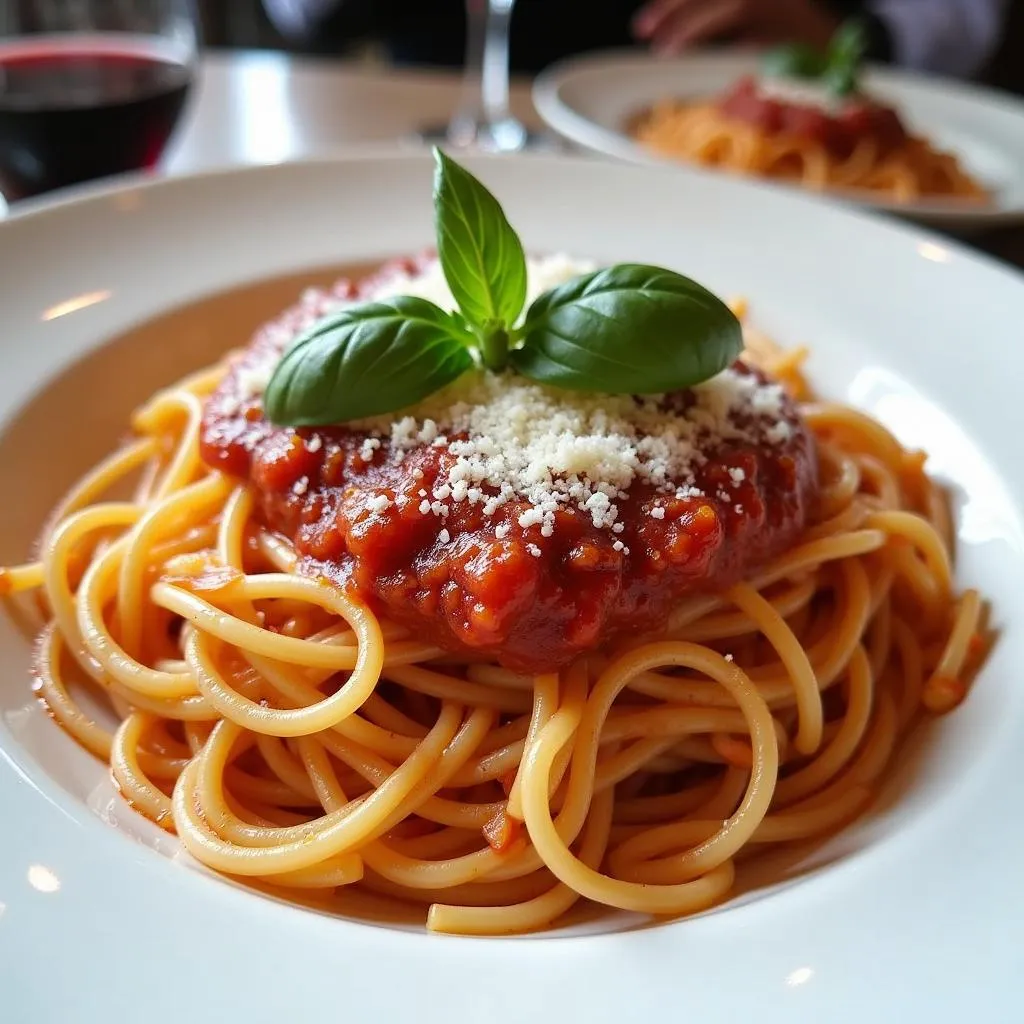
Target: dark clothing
(543, 31)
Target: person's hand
(673, 25)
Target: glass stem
(494, 78)
(470, 110)
(485, 82)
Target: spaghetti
(748, 134)
(295, 740)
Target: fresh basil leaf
(849, 44)
(845, 56)
(794, 61)
(366, 360)
(481, 255)
(629, 329)
(841, 81)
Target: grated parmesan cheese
(508, 439)
(253, 379)
(801, 93)
(779, 433)
(369, 446)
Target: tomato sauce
(529, 601)
(838, 132)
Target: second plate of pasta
(955, 161)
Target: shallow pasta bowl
(913, 909)
(592, 100)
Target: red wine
(71, 115)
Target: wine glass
(483, 118)
(89, 88)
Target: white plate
(916, 912)
(590, 99)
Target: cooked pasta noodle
(292, 739)
(703, 134)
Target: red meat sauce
(839, 133)
(468, 591)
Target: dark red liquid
(68, 116)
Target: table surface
(268, 107)
(265, 107)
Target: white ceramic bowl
(915, 912)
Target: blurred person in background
(951, 37)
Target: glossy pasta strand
(291, 738)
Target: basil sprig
(628, 329)
(837, 68)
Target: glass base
(505, 136)
(433, 135)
